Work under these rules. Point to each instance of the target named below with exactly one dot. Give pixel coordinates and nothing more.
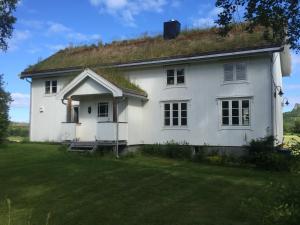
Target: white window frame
(106, 115)
(51, 87)
(240, 125)
(176, 69)
(234, 79)
(180, 117)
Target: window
(236, 112)
(50, 87)
(170, 77)
(175, 114)
(103, 109)
(175, 76)
(235, 72)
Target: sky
(44, 27)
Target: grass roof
(116, 77)
(190, 42)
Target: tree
(296, 127)
(5, 100)
(280, 18)
(7, 7)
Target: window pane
(235, 112)
(225, 120)
(175, 121)
(245, 103)
(183, 121)
(180, 72)
(47, 87)
(167, 115)
(170, 77)
(103, 109)
(241, 71)
(175, 106)
(54, 86)
(180, 76)
(228, 72)
(245, 113)
(167, 122)
(235, 104)
(225, 104)
(175, 113)
(167, 106)
(183, 106)
(183, 113)
(225, 112)
(235, 120)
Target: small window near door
(103, 109)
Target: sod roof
(118, 79)
(188, 43)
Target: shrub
(170, 150)
(296, 128)
(264, 154)
(277, 204)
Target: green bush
(264, 154)
(277, 204)
(296, 127)
(170, 150)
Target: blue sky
(43, 27)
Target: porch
(96, 110)
(106, 132)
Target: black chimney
(171, 29)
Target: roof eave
(194, 58)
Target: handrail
(110, 122)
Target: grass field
(44, 181)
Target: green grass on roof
(116, 77)
(190, 42)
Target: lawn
(45, 181)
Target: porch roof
(109, 81)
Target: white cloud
(50, 29)
(127, 10)
(292, 87)
(56, 47)
(18, 37)
(20, 100)
(175, 3)
(34, 24)
(54, 28)
(203, 22)
(207, 17)
(295, 58)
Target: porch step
(82, 147)
(91, 146)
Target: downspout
(273, 98)
(117, 128)
(30, 105)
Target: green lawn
(78, 189)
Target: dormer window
(235, 72)
(50, 86)
(175, 76)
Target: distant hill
(289, 119)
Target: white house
(193, 87)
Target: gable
(88, 86)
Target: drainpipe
(117, 128)
(30, 110)
(273, 97)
